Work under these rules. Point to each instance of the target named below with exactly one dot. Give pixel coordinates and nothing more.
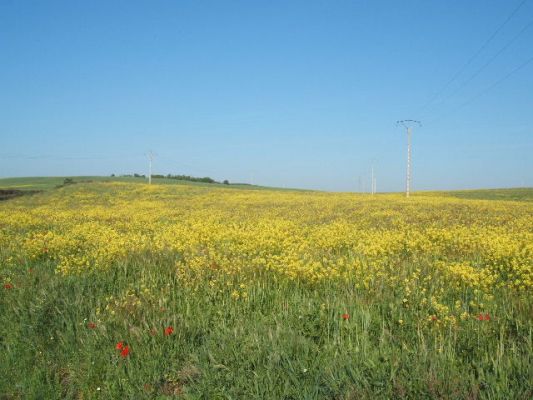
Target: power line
(490, 60)
(472, 58)
(486, 90)
(131, 156)
(56, 157)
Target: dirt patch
(6, 194)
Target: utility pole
(372, 190)
(151, 157)
(408, 124)
(373, 178)
(408, 175)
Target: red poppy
(480, 317)
(345, 316)
(8, 286)
(91, 325)
(147, 387)
(486, 317)
(119, 346)
(125, 351)
(434, 318)
(169, 330)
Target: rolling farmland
(115, 289)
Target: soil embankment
(6, 194)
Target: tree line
(189, 178)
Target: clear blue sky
(284, 93)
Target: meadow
(115, 289)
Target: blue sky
(283, 93)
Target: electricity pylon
(151, 157)
(408, 124)
(373, 179)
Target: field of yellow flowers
(123, 290)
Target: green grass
(514, 194)
(288, 341)
(48, 183)
(31, 183)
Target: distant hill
(512, 194)
(47, 183)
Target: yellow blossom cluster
(445, 257)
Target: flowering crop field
(123, 290)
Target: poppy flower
(486, 317)
(125, 351)
(91, 325)
(434, 318)
(147, 387)
(345, 316)
(480, 317)
(169, 330)
(119, 346)
(8, 286)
